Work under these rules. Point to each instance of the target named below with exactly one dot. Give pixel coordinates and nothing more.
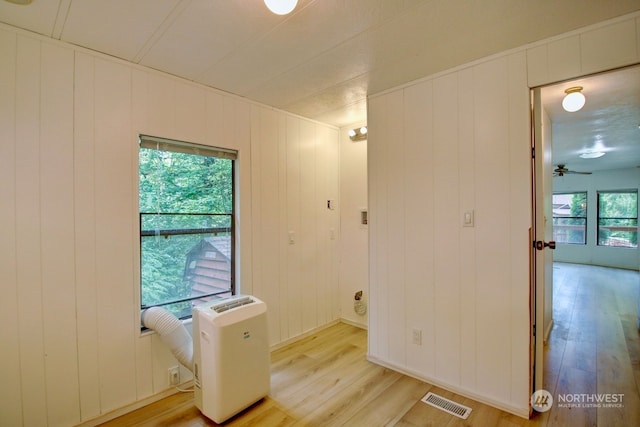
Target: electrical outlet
(417, 336)
(174, 375)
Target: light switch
(292, 237)
(467, 220)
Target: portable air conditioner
(230, 355)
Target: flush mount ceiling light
(281, 7)
(574, 100)
(592, 154)
(358, 134)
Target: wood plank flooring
(325, 379)
(594, 346)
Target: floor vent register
(447, 405)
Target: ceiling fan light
(281, 7)
(574, 100)
(592, 154)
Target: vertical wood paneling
(57, 222)
(281, 238)
(161, 116)
(269, 218)
(353, 241)
(608, 47)
(293, 224)
(327, 171)
(447, 228)
(72, 238)
(385, 259)
(419, 202)
(144, 349)
(306, 238)
(28, 233)
(467, 255)
(492, 225)
(375, 112)
(191, 113)
(594, 50)
(463, 135)
(330, 144)
(396, 180)
(214, 119)
(322, 169)
(563, 58)
(10, 392)
(233, 132)
(257, 255)
(85, 238)
(375, 150)
(115, 146)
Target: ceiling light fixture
(592, 154)
(281, 7)
(574, 100)
(358, 134)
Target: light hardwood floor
(325, 380)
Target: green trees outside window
(618, 218)
(186, 224)
(570, 218)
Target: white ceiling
(322, 60)
(609, 122)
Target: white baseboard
(133, 406)
(504, 406)
(352, 323)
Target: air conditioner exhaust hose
(172, 332)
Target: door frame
(541, 258)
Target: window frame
(164, 144)
(599, 217)
(585, 218)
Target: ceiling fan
(561, 170)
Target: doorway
(588, 151)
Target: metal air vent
(446, 405)
(228, 305)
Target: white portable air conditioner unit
(231, 355)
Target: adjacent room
(595, 175)
(355, 176)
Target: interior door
(542, 235)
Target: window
(570, 218)
(186, 224)
(618, 218)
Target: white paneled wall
(69, 254)
(354, 242)
(438, 148)
(609, 45)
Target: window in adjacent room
(570, 218)
(618, 218)
(186, 224)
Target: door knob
(540, 245)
